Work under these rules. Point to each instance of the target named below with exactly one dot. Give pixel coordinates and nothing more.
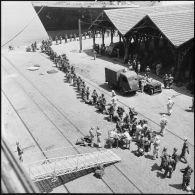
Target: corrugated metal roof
(177, 26)
(125, 19)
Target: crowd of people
(128, 127)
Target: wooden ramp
(64, 165)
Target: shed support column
(93, 39)
(119, 37)
(111, 36)
(126, 51)
(103, 37)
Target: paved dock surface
(43, 112)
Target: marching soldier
(92, 135)
(169, 167)
(156, 147)
(186, 177)
(175, 157)
(163, 124)
(185, 150)
(170, 105)
(99, 134)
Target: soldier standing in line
(165, 80)
(94, 96)
(87, 93)
(99, 133)
(20, 151)
(92, 135)
(163, 124)
(185, 150)
(138, 67)
(56, 39)
(175, 157)
(156, 147)
(70, 36)
(66, 38)
(60, 39)
(164, 157)
(170, 105)
(186, 178)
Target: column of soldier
(128, 127)
(71, 37)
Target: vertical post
(111, 36)
(80, 36)
(93, 39)
(102, 36)
(119, 37)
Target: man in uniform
(87, 93)
(185, 150)
(165, 80)
(83, 92)
(147, 70)
(60, 39)
(75, 36)
(114, 100)
(170, 80)
(169, 167)
(99, 134)
(56, 39)
(163, 124)
(156, 147)
(66, 38)
(20, 151)
(170, 105)
(186, 177)
(70, 36)
(92, 135)
(94, 96)
(164, 157)
(175, 157)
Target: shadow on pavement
(177, 186)
(155, 167)
(188, 110)
(149, 156)
(103, 57)
(159, 174)
(161, 113)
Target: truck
(122, 79)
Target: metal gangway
(54, 167)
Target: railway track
(62, 114)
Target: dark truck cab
(125, 81)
